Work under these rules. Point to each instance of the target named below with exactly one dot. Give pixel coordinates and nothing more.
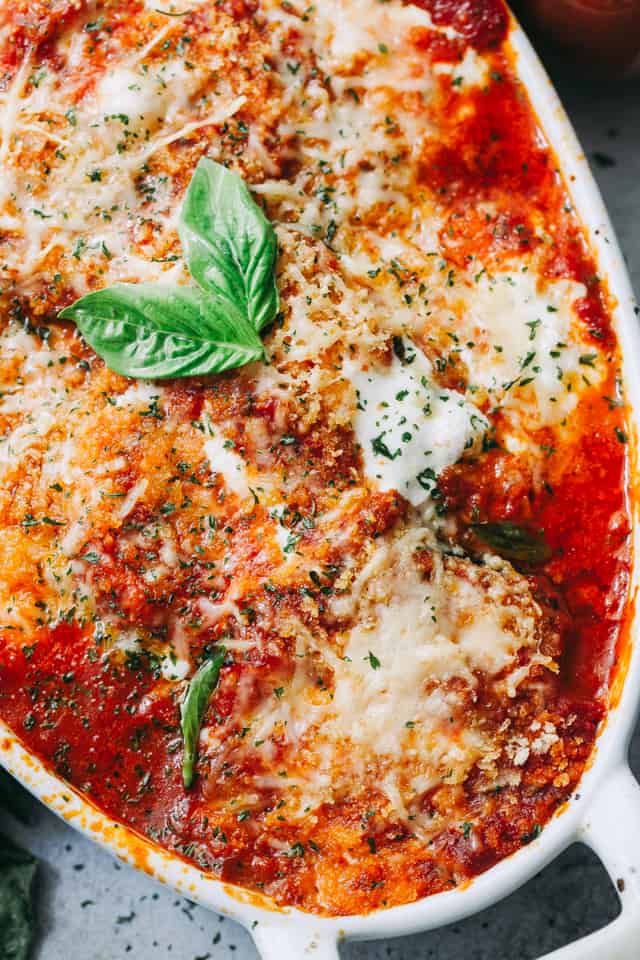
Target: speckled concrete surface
(94, 909)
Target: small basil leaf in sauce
(513, 542)
(192, 711)
(228, 243)
(158, 331)
(17, 925)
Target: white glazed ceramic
(604, 812)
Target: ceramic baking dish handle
(292, 943)
(612, 830)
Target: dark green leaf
(193, 709)
(13, 797)
(513, 542)
(156, 331)
(17, 870)
(228, 243)
(373, 660)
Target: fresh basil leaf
(513, 542)
(17, 927)
(228, 243)
(157, 331)
(193, 708)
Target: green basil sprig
(513, 542)
(157, 331)
(228, 243)
(192, 711)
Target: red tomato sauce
(483, 24)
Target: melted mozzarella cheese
(104, 140)
(358, 130)
(473, 70)
(459, 621)
(145, 97)
(139, 394)
(518, 332)
(223, 459)
(409, 428)
(284, 537)
(339, 32)
(33, 405)
(403, 676)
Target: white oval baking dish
(604, 812)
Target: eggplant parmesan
(338, 625)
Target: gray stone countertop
(92, 908)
